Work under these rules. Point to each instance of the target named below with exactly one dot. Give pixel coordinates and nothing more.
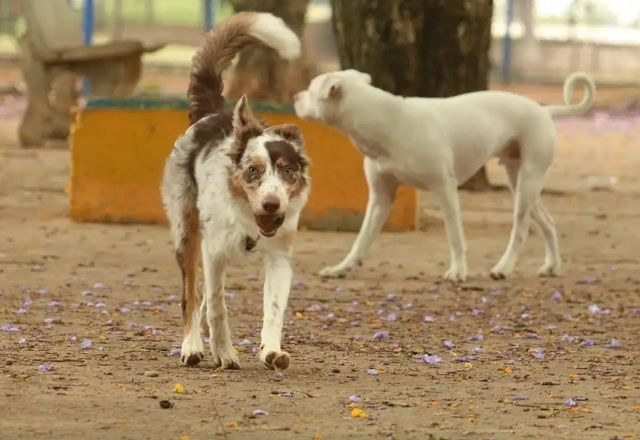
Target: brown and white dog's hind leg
(214, 266)
(277, 284)
(187, 252)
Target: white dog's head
(321, 101)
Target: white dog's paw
(500, 272)
(275, 359)
(192, 350)
(338, 271)
(549, 270)
(456, 273)
(226, 359)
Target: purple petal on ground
(22, 341)
(49, 321)
(588, 280)
(538, 353)
(27, 302)
(55, 304)
(567, 316)
(87, 293)
(594, 309)
(259, 412)
(497, 330)
(286, 394)
(525, 317)
(300, 285)
(453, 317)
(72, 339)
(147, 327)
(230, 295)
(570, 403)
(43, 292)
(314, 308)
(434, 288)
(100, 305)
(431, 358)
(45, 368)
(174, 352)
(172, 298)
(279, 375)
(478, 337)
(256, 350)
(477, 312)
(99, 286)
(372, 372)
(358, 338)
(392, 297)
(614, 343)
(496, 292)
(354, 399)
(429, 318)
(251, 278)
(588, 343)
(331, 315)
(132, 325)
(85, 344)
(20, 311)
(123, 310)
(568, 338)
(530, 335)
(552, 327)
(206, 339)
(406, 306)
(556, 295)
(109, 322)
(245, 342)
(380, 335)
(520, 398)
(157, 289)
(477, 350)
(393, 316)
(484, 300)
(448, 344)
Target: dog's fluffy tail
(222, 45)
(568, 108)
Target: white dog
(228, 181)
(437, 144)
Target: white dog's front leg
(382, 191)
(450, 205)
(220, 343)
(277, 283)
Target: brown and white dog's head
(270, 168)
(321, 101)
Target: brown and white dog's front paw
(275, 359)
(192, 351)
(225, 359)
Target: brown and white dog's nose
(271, 205)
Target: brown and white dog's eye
(251, 173)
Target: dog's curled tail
(568, 108)
(222, 45)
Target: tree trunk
(432, 48)
(260, 72)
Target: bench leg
(32, 127)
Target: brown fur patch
(245, 127)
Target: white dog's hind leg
(382, 191)
(552, 262)
(277, 283)
(527, 190)
(220, 343)
(450, 205)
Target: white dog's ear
(331, 88)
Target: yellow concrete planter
(118, 149)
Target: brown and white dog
(229, 181)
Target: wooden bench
(53, 57)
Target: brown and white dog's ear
(289, 132)
(245, 127)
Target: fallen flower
(380, 335)
(10, 329)
(478, 337)
(588, 343)
(22, 341)
(45, 368)
(556, 295)
(448, 344)
(354, 399)
(85, 344)
(429, 318)
(260, 412)
(538, 353)
(358, 413)
(432, 359)
(286, 394)
(372, 372)
(588, 280)
(245, 342)
(614, 343)
(594, 309)
(55, 304)
(174, 352)
(570, 403)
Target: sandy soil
(97, 306)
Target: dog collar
(250, 243)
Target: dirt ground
(90, 320)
